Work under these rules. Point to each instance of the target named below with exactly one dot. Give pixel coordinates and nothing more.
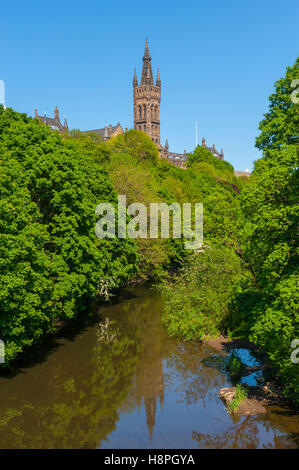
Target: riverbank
(269, 391)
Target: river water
(118, 381)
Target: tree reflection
(122, 361)
(80, 405)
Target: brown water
(120, 382)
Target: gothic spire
(158, 82)
(135, 81)
(146, 50)
(65, 124)
(147, 74)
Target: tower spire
(146, 50)
(146, 99)
(135, 81)
(147, 74)
(65, 124)
(158, 82)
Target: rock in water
(248, 407)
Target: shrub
(240, 396)
(197, 300)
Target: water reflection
(120, 381)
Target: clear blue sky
(218, 61)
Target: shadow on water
(114, 379)
(39, 352)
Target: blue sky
(218, 61)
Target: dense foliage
(271, 206)
(51, 262)
(259, 298)
(271, 209)
(198, 300)
(203, 155)
(280, 125)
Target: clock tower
(147, 97)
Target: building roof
(103, 131)
(214, 151)
(51, 122)
(177, 156)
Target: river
(118, 381)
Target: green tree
(281, 123)
(137, 144)
(203, 155)
(198, 299)
(271, 212)
(51, 262)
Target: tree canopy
(280, 125)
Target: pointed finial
(203, 143)
(147, 74)
(146, 50)
(35, 113)
(158, 81)
(166, 144)
(135, 81)
(65, 123)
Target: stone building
(146, 102)
(108, 131)
(179, 159)
(213, 150)
(54, 123)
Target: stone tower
(147, 97)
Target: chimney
(56, 114)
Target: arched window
(144, 111)
(152, 111)
(140, 112)
(155, 112)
